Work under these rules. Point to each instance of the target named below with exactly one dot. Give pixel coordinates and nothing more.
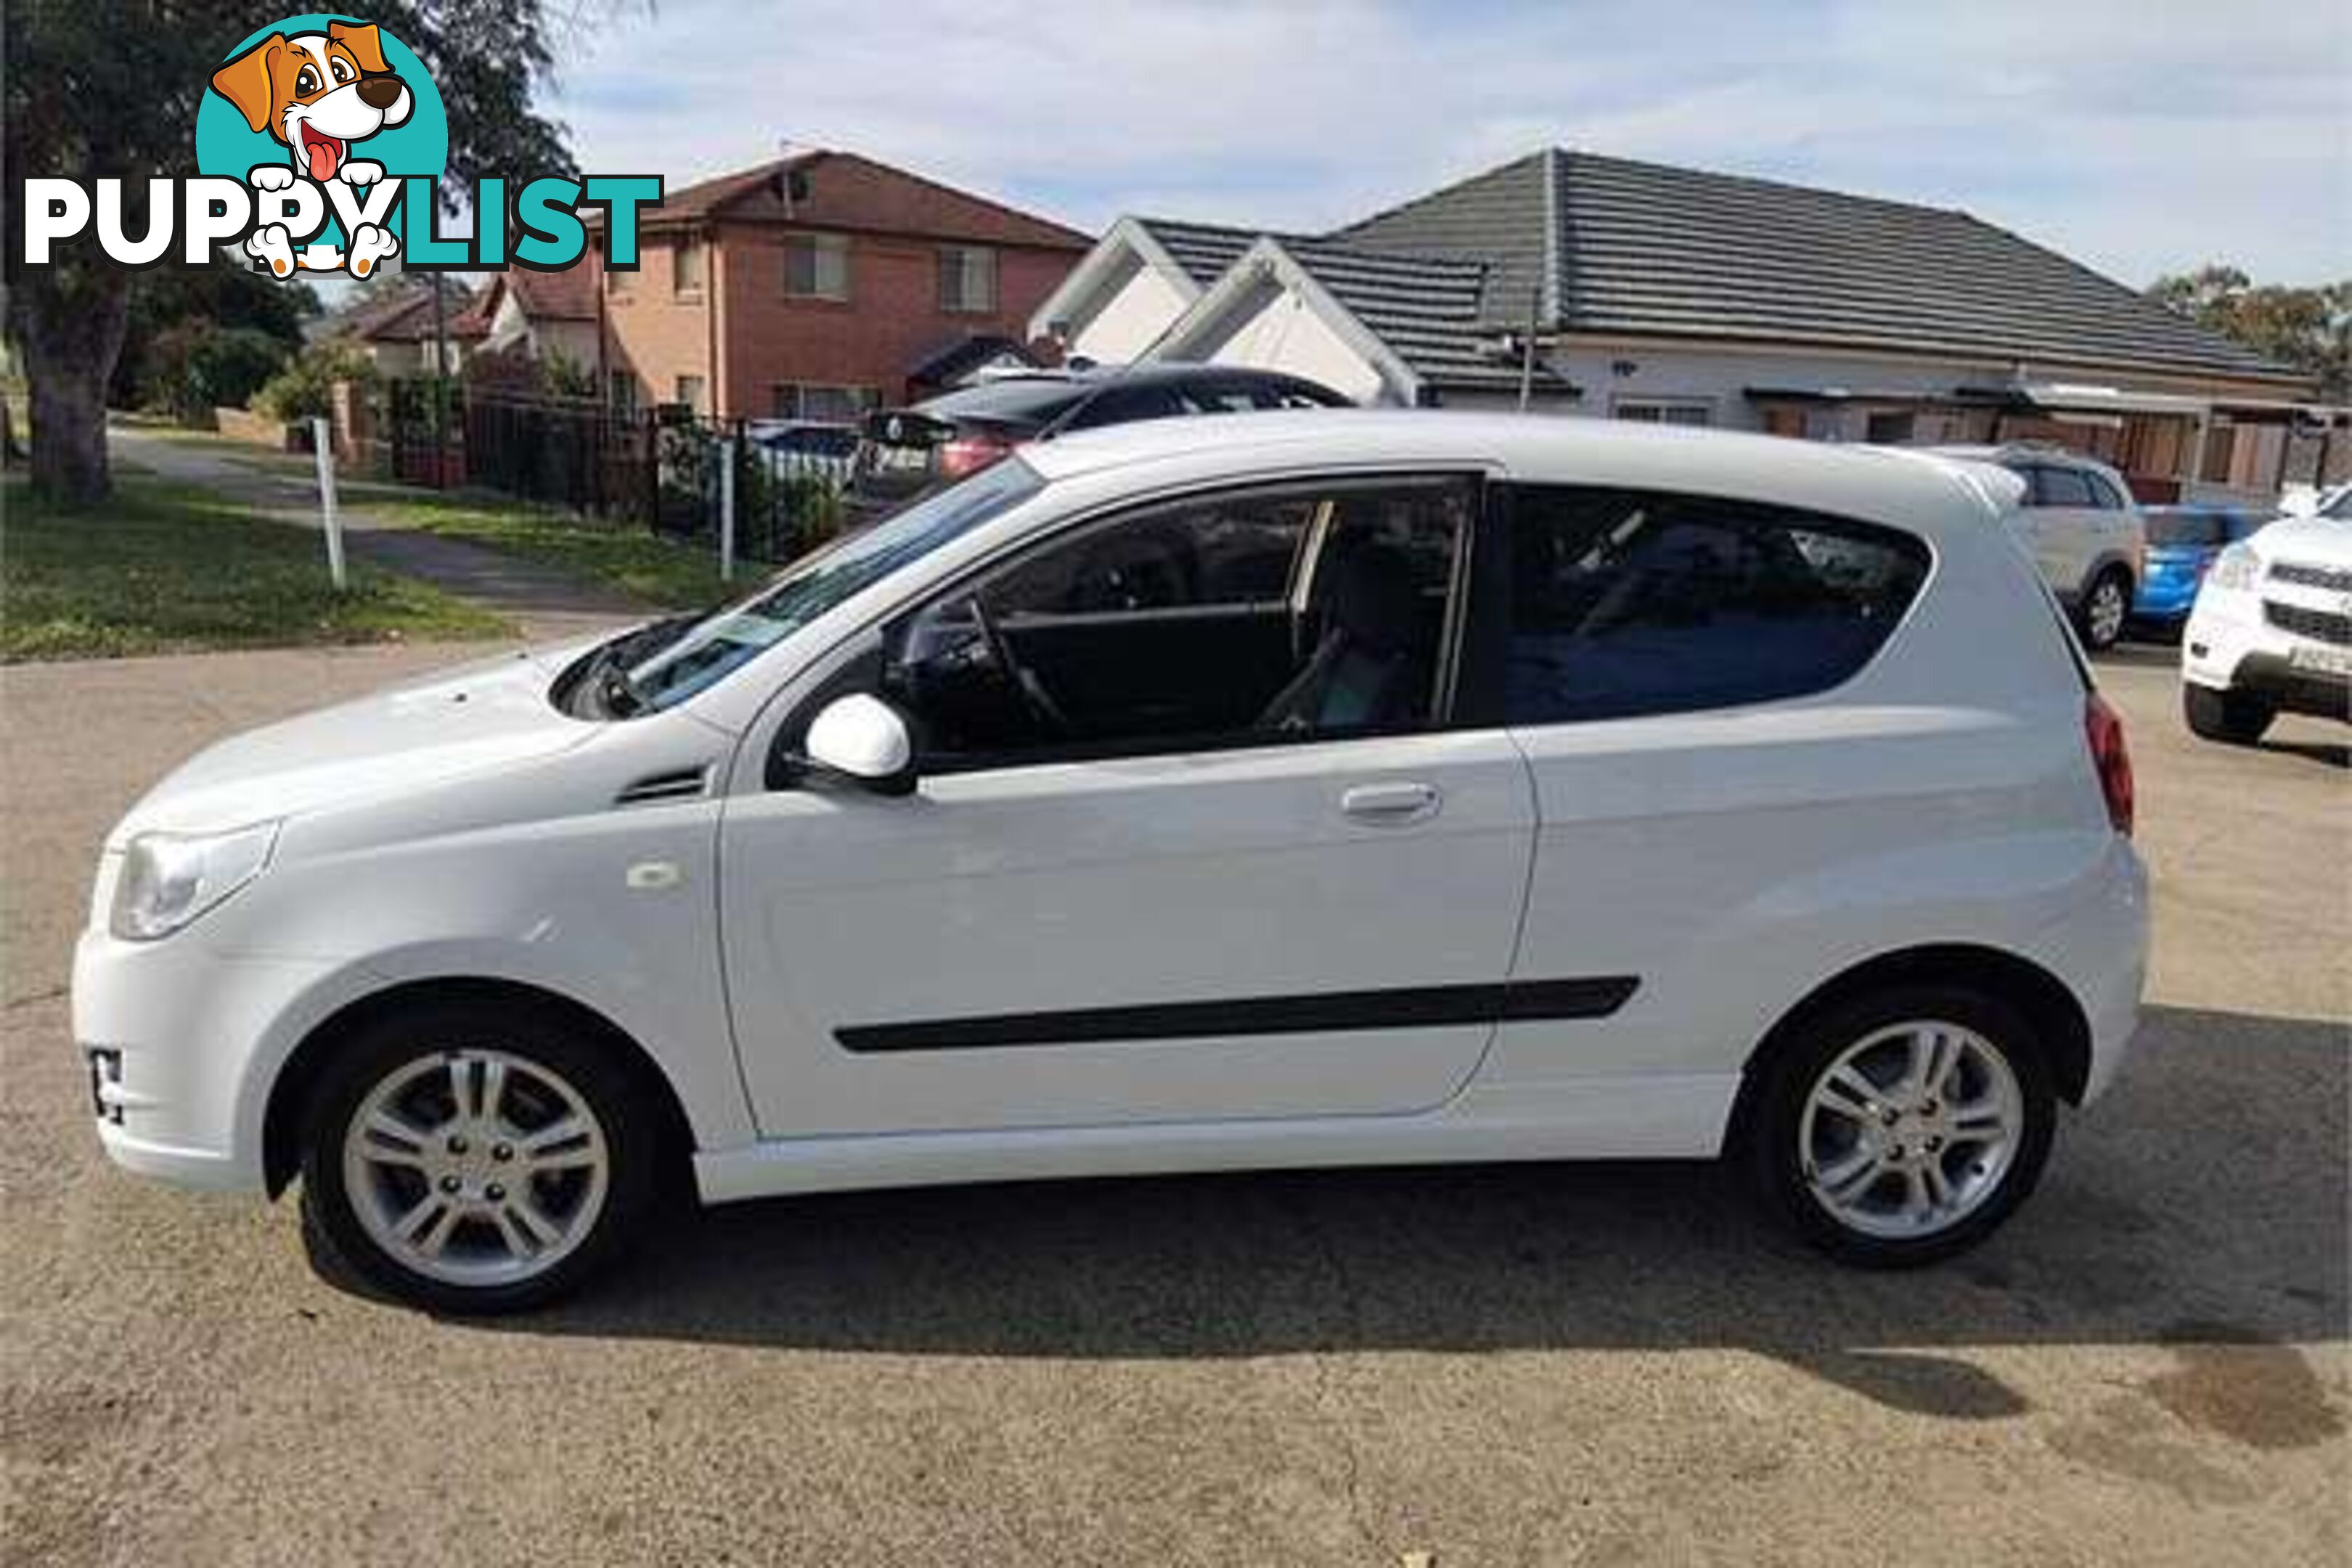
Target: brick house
(817, 286)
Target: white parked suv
(2079, 522)
(2270, 632)
(1302, 789)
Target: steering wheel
(1034, 694)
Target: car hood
(477, 717)
(2320, 540)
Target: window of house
(692, 264)
(1628, 602)
(966, 279)
(816, 266)
(624, 385)
(690, 391)
(822, 404)
(1664, 411)
(1889, 427)
(1247, 618)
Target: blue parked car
(2182, 542)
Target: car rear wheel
(1902, 1128)
(2106, 609)
(2234, 718)
(472, 1158)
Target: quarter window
(1629, 602)
(1251, 617)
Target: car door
(1150, 912)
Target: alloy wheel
(476, 1167)
(2107, 612)
(1911, 1130)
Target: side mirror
(863, 741)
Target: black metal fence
(663, 468)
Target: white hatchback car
(1301, 789)
(2270, 632)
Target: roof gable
(822, 189)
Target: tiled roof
(1427, 309)
(845, 190)
(1615, 246)
(1205, 249)
(400, 309)
(1429, 312)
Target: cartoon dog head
(316, 92)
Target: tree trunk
(70, 322)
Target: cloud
(2135, 137)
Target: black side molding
(1408, 1008)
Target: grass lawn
(664, 574)
(163, 568)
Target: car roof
(1150, 373)
(1907, 487)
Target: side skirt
(1646, 1117)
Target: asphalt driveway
(1531, 1366)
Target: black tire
(2232, 718)
(591, 1065)
(1768, 1143)
(2111, 579)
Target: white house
(1573, 283)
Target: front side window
(1247, 618)
(686, 657)
(966, 279)
(816, 266)
(1633, 602)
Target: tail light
(970, 454)
(2110, 759)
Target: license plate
(2321, 660)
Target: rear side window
(2060, 487)
(1633, 602)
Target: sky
(2138, 136)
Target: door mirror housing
(861, 739)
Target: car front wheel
(2107, 607)
(1904, 1128)
(2234, 718)
(475, 1160)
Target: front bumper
(2231, 644)
(181, 1043)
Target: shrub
(304, 390)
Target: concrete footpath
(545, 603)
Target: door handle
(1390, 805)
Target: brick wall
(890, 319)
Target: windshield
(707, 651)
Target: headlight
(170, 878)
(2236, 570)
